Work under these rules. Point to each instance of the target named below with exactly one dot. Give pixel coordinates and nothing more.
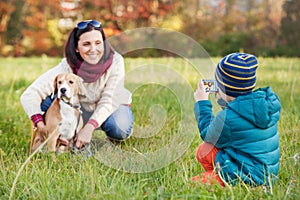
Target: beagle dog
(63, 118)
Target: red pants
(206, 155)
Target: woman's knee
(119, 125)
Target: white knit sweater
(102, 97)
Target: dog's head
(67, 86)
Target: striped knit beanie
(235, 74)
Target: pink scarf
(91, 73)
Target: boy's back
(253, 136)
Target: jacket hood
(261, 107)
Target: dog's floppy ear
(54, 86)
(80, 85)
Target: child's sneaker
(208, 178)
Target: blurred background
(262, 27)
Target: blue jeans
(118, 126)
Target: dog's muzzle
(63, 90)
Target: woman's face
(91, 46)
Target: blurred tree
(15, 26)
(120, 15)
(46, 24)
(211, 19)
(220, 25)
(71, 11)
(36, 36)
(229, 25)
(201, 19)
(290, 24)
(265, 24)
(6, 9)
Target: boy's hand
(200, 93)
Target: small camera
(210, 85)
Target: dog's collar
(76, 106)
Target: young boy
(241, 143)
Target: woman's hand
(84, 136)
(200, 93)
(40, 135)
(41, 130)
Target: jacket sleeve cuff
(36, 118)
(94, 123)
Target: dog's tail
(32, 136)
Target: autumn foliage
(30, 27)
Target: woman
(105, 103)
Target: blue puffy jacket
(246, 134)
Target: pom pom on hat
(236, 74)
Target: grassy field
(158, 161)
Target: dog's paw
(63, 141)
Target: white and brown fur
(63, 118)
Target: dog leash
(76, 106)
(86, 149)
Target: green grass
(123, 172)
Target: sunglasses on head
(84, 24)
